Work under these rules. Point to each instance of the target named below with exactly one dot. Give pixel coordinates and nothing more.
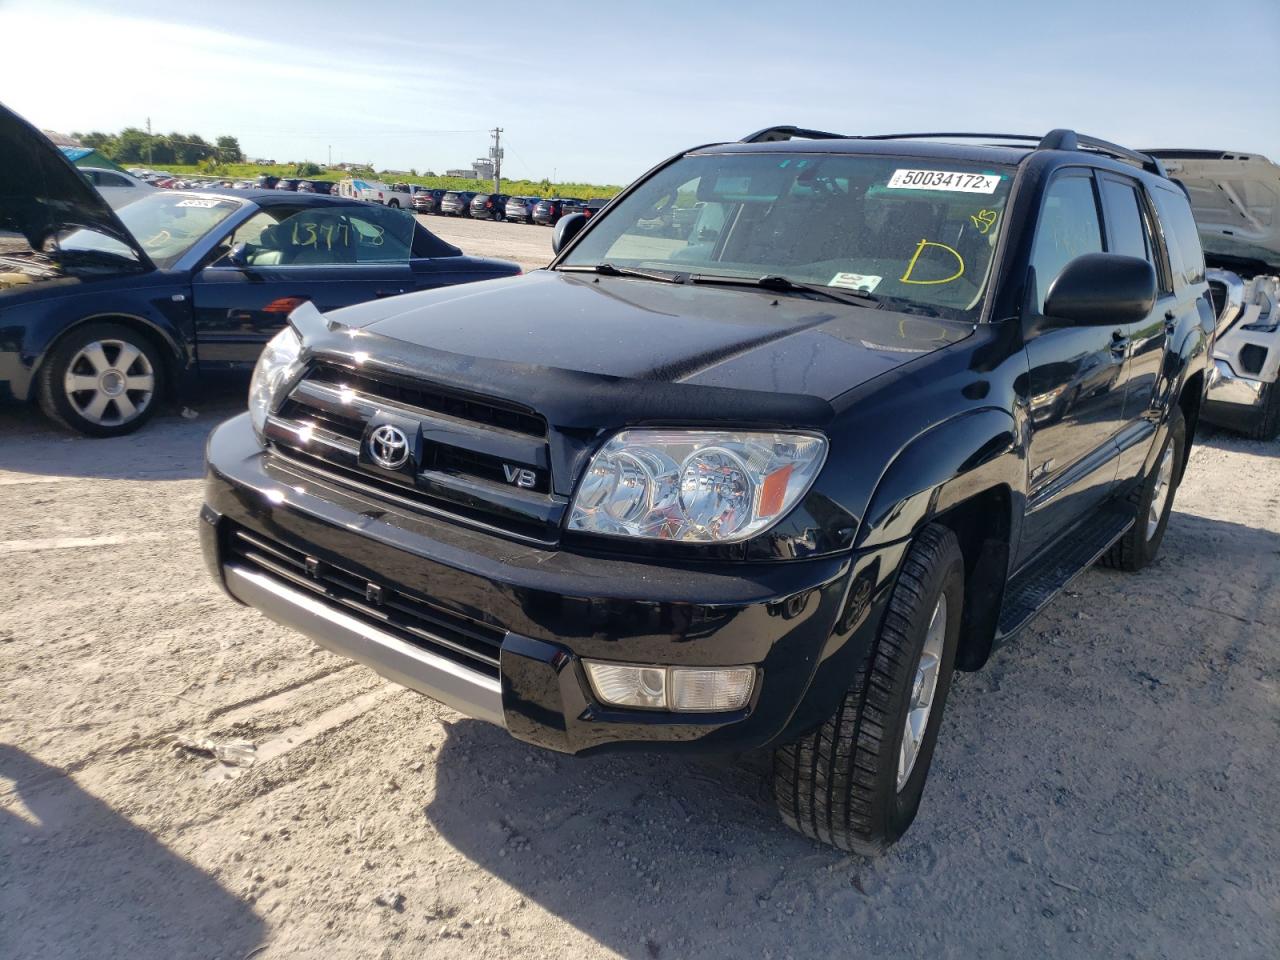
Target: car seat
(266, 252)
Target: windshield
(913, 232)
(166, 225)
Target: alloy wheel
(923, 687)
(109, 382)
(1160, 496)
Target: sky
(597, 92)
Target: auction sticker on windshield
(944, 180)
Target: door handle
(1119, 343)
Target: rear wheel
(1152, 502)
(856, 781)
(102, 380)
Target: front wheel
(102, 380)
(856, 781)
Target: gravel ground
(1107, 787)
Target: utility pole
(495, 154)
(150, 161)
(330, 163)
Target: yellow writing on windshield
(915, 257)
(984, 220)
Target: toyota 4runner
(794, 428)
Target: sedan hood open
(1235, 198)
(42, 194)
(591, 351)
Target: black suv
(489, 206)
(759, 483)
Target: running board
(1034, 587)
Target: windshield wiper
(612, 270)
(102, 257)
(786, 285)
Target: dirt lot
(1107, 787)
(527, 244)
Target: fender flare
(180, 355)
(950, 463)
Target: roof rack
(777, 134)
(1060, 139)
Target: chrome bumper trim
(1227, 386)
(466, 691)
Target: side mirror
(1101, 289)
(239, 256)
(566, 229)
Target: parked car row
(546, 211)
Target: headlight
(276, 367)
(694, 485)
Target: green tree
(131, 146)
(229, 150)
(307, 169)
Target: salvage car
(761, 486)
(1235, 198)
(103, 313)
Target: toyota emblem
(389, 447)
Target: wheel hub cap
(923, 687)
(111, 383)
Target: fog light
(681, 689)
(718, 688)
(627, 686)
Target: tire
(393, 204)
(1139, 546)
(1267, 426)
(840, 783)
(109, 407)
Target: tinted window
(1125, 222)
(1068, 228)
(1180, 236)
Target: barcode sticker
(944, 180)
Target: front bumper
(803, 624)
(1233, 399)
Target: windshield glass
(166, 225)
(915, 233)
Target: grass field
(247, 171)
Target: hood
(580, 348)
(43, 194)
(1235, 198)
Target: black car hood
(43, 194)
(593, 352)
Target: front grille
(484, 461)
(465, 641)
(487, 411)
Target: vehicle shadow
(1061, 789)
(170, 447)
(79, 880)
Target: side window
(1181, 236)
(261, 235)
(1126, 225)
(381, 236)
(1068, 228)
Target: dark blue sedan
(102, 313)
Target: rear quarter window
(1186, 258)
